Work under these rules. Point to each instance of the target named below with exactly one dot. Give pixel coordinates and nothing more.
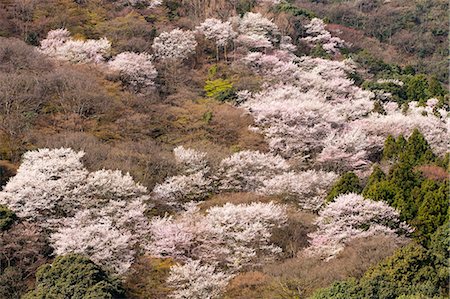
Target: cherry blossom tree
(197, 280)
(135, 69)
(147, 3)
(55, 39)
(179, 189)
(190, 160)
(172, 237)
(255, 23)
(176, 45)
(193, 183)
(348, 149)
(238, 236)
(60, 45)
(231, 236)
(308, 188)
(221, 33)
(46, 186)
(351, 216)
(257, 32)
(319, 35)
(247, 170)
(100, 214)
(397, 122)
(97, 238)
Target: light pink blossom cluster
(231, 236)
(60, 45)
(307, 188)
(176, 45)
(319, 35)
(100, 214)
(220, 32)
(351, 216)
(196, 280)
(135, 69)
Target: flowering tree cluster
(319, 35)
(247, 170)
(351, 216)
(308, 188)
(46, 186)
(100, 214)
(231, 236)
(135, 69)
(309, 107)
(220, 32)
(60, 45)
(190, 160)
(432, 122)
(215, 244)
(193, 183)
(257, 32)
(97, 238)
(194, 280)
(176, 45)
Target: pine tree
(390, 149)
(348, 183)
(417, 150)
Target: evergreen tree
(416, 88)
(76, 277)
(413, 271)
(417, 150)
(348, 183)
(390, 149)
(376, 176)
(435, 88)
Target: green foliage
(398, 92)
(422, 202)
(172, 9)
(356, 77)
(220, 89)
(415, 151)
(207, 117)
(348, 183)
(7, 218)
(413, 271)
(416, 88)
(318, 51)
(374, 65)
(435, 88)
(390, 149)
(294, 10)
(74, 276)
(432, 202)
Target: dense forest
(194, 149)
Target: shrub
(74, 276)
(7, 217)
(220, 89)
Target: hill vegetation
(225, 149)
